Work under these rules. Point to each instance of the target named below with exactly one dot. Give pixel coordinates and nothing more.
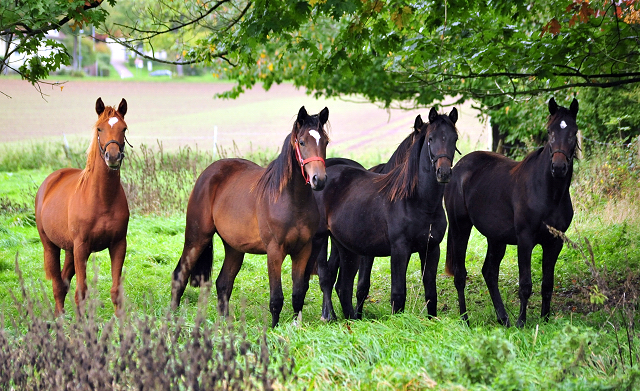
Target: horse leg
(490, 269)
(117, 253)
(550, 254)
(325, 277)
(525, 246)
(364, 283)
(348, 269)
(191, 253)
(429, 261)
(275, 257)
(399, 263)
(52, 272)
(233, 260)
(81, 253)
(457, 241)
(300, 282)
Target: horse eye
(124, 130)
(301, 143)
(99, 130)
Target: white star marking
(316, 135)
(112, 121)
(563, 124)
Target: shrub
(134, 352)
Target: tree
(23, 28)
(411, 52)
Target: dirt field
(182, 113)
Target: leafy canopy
(23, 28)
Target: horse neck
(297, 187)
(103, 183)
(546, 184)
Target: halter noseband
(121, 154)
(435, 158)
(302, 161)
(562, 151)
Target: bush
(135, 352)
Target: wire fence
(583, 139)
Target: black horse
(513, 202)
(396, 214)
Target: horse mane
(399, 155)
(400, 183)
(93, 149)
(280, 171)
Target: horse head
(562, 129)
(111, 130)
(441, 137)
(310, 141)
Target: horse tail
(449, 266)
(201, 271)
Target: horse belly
(236, 222)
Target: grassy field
(590, 343)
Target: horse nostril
(314, 180)
(106, 155)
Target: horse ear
(574, 108)
(418, 124)
(122, 107)
(453, 115)
(99, 106)
(433, 114)
(324, 115)
(553, 106)
(302, 115)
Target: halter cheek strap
(302, 162)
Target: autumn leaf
(553, 28)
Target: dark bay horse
(82, 211)
(256, 210)
(512, 202)
(394, 214)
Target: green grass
(583, 347)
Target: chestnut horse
(256, 210)
(83, 211)
(396, 214)
(513, 202)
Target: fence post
(215, 140)
(579, 153)
(499, 148)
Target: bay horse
(83, 211)
(513, 202)
(394, 214)
(256, 210)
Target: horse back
(223, 200)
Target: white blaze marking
(563, 124)
(316, 135)
(112, 121)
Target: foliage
(144, 352)
(412, 53)
(23, 29)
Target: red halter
(302, 162)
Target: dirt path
(183, 113)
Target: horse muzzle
(317, 181)
(113, 160)
(559, 164)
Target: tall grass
(590, 343)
